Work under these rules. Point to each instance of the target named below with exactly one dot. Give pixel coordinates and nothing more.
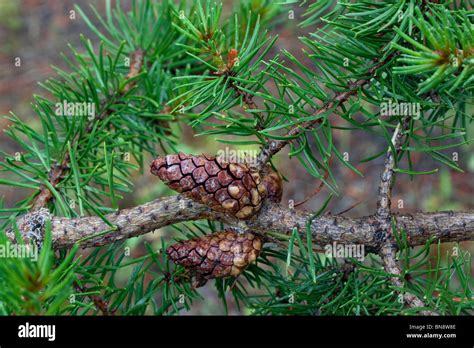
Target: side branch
(59, 170)
(386, 181)
(274, 146)
(127, 223)
(384, 217)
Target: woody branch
(384, 218)
(327, 229)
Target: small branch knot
(32, 226)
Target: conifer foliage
(399, 70)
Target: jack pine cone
(226, 187)
(217, 255)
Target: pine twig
(388, 254)
(247, 98)
(136, 65)
(384, 217)
(272, 147)
(58, 171)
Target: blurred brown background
(37, 31)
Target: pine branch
(358, 35)
(58, 171)
(135, 68)
(274, 146)
(55, 176)
(247, 98)
(384, 216)
(388, 254)
(386, 182)
(327, 229)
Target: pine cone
(226, 187)
(217, 255)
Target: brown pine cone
(217, 255)
(226, 187)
